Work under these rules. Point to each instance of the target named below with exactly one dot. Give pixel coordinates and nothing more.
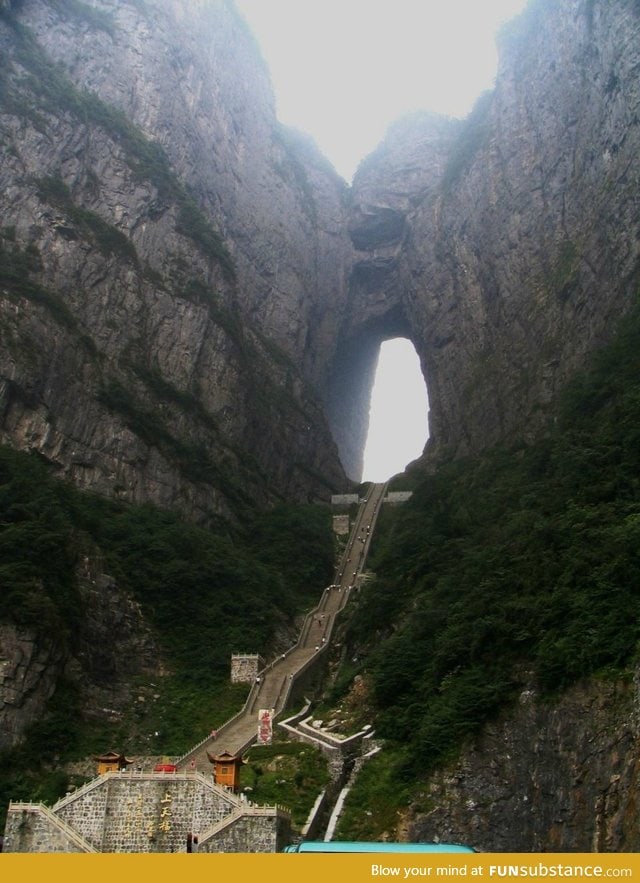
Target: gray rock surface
(558, 776)
(112, 646)
(28, 677)
(192, 302)
(507, 245)
(184, 241)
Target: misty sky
(342, 71)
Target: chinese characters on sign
(165, 813)
(265, 726)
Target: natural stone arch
(399, 412)
(351, 382)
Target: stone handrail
(282, 693)
(79, 792)
(245, 708)
(51, 817)
(285, 689)
(236, 815)
(148, 775)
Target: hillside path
(275, 681)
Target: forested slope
(516, 570)
(127, 616)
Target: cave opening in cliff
(398, 413)
(376, 398)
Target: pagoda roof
(112, 757)
(224, 757)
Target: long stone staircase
(147, 811)
(277, 680)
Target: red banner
(265, 726)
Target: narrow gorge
(192, 300)
(187, 281)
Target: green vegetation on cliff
(206, 593)
(289, 774)
(17, 266)
(270, 567)
(517, 569)
(107, 238)
(43, 87)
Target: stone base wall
(263, 833)
(148, 812)
(30, 830)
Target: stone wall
(252, 833)
(147, 814)
(245, 667)
(398, 496)
(28, 829)
(129, 812)
(344, 499)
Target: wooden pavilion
(111, 762)
(226, 769)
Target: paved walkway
(276, 680)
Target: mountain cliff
(202, 298)
(506, 246)
(170, 255)
(192, 303)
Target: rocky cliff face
(552, 777)
(112, 645)
(170, 256)
(29, 671)
(192, 295)
(507, 245)
(191, 305)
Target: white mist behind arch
(343, 70)
(398, 417)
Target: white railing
(79, 792)
(60, 824)
(241, 813)
(378, 491)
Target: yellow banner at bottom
(293, 868)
